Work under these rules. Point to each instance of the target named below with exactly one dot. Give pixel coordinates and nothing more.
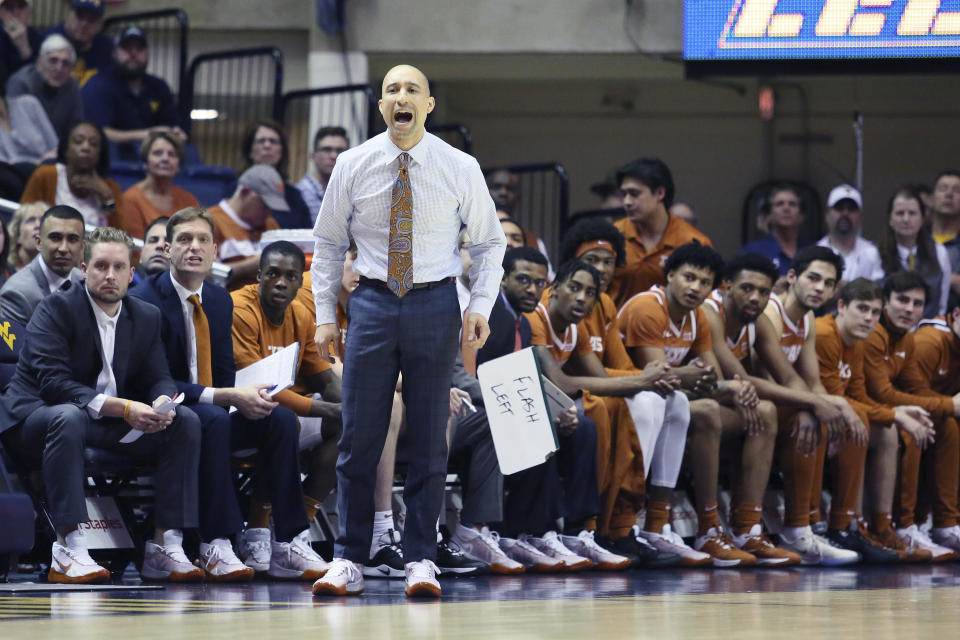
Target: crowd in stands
(799, 363)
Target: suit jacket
(25, 289)
(503, 332)
(217, 305)
(61, 360)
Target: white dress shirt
(863, 262)
(106, 381)
(943, 259)
(184, 294)
(54, 281)
(449, 191)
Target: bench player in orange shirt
(732, 314)
(786, 352)
(840, 345)
(567, 358)
(668, 323)
(894, 377)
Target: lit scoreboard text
(820, 29)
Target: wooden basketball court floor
(851, 603)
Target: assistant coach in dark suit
(197, 318)
(91, 367)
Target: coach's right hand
(325, 336)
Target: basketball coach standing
(403, 195)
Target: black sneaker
(641, 552)
(870, 552)
(387, 562)
(451, 561)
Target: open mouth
(403, 117)
(577, 313)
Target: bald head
(405, 102)
(404, 70)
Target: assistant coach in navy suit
(197, 317)
(404, 195)
(91, 367)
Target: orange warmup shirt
(841, 371)
(643, 268)
(743, 345)
(937, 352)
(894, 376)
(603, 330)
(645, 322)
(255, 338)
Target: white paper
(521, 426)
(163, 404)
(278, 369)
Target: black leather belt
(417, 285)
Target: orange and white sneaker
(422, 579)
(757, 544)
(484, 545)
(669, 541)
(721, 548)
(168, 563)
(343, 578)
(221, 564)
(908, 552)
(914, 535)
(74, 566)
(551, 545)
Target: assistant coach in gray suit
(60, 244)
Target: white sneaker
(254, 548)
(296, 560)
(483, 545)
(422, 579)
(343, 578)
(914, 535)
(551, 545)
(221, 564)
(531, 557)
(948, 537)
(73, 565)
(584, 544)
(814, 549)
(669, 541)
(169, 562)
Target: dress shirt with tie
(54, 281)
(206, 396)
(449, 192)
(106, 381)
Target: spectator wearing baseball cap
(843, 217)
(83, 27)
(127, 101)
(243, 217)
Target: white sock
(382, 522)
(75, 540)
(792, 534)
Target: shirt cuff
(95, 406)
(481, 305)
(206, 396)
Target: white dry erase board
(517, 410)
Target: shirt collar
(507, 304)
(54, 281)
(183, 293)
(101, 315)
(903, 252)
(418, 152)
(227, 209)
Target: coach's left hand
(476, 330)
